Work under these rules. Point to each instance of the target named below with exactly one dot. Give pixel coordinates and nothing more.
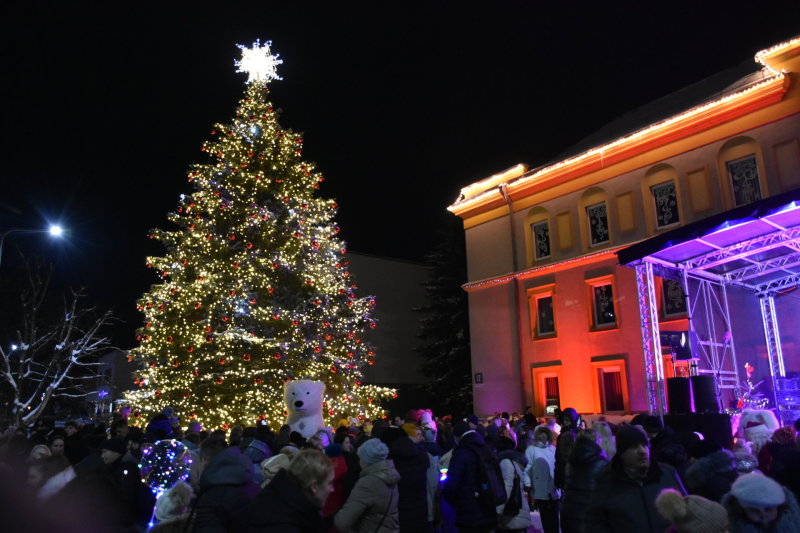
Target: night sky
(401, 104)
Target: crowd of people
(413, 474)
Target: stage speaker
(714, 427)
(705, 394)
(679, 396)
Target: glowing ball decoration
(164, 463)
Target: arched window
(662, 198)
(537, 235)
(741, 166)
(594, 219)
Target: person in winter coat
(338, 495)
(757, 503)
(461, 486)
(292, 501)
(623, 500)
(173, 509)
(782, 439)
(412, 464)
(512, 466)
(584, 464)
(712, 476)
(257, 451)
(539, 475)
(226, 487)
(372, 505)
(109, 497)
(542, 446)
(569, 419)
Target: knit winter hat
(630, 436)
(372, 451)
(692, 514)
(745, 462)
(174, 502)
(274, 464)
(195, 427)
(115, 445)
(460, 428)
(757, 490)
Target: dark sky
(401, 104)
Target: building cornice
(696, 120)
(588, 259)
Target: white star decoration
(258, 62)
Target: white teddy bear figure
(303, 399)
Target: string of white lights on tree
(255, 288)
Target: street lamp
(54, 230)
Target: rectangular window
(611, 397)
(545, 317)
(597, 217)
(542, 312)
(604, 316)
(673, 299)
(665, 202)
(541, 239)
(744, 180)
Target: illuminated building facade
(554, 317)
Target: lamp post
(53, 230)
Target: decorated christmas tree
(255, 286)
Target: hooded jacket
(372, 505)
(512, 465)
(566, 439)
(585, 462)
(412, 465)
(283, 507)
(461, 486)
(226, 489)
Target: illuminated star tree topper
(258, 62)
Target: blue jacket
(461, 486)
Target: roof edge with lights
(485, 194)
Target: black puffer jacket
(283, 507)
(412, 465)
(622, 505)
(585, 462)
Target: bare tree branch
(53, 358)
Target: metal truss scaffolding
(754, 248)
(651, 341)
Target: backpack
(514, 502)
(491, 487)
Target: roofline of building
(484, 195)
